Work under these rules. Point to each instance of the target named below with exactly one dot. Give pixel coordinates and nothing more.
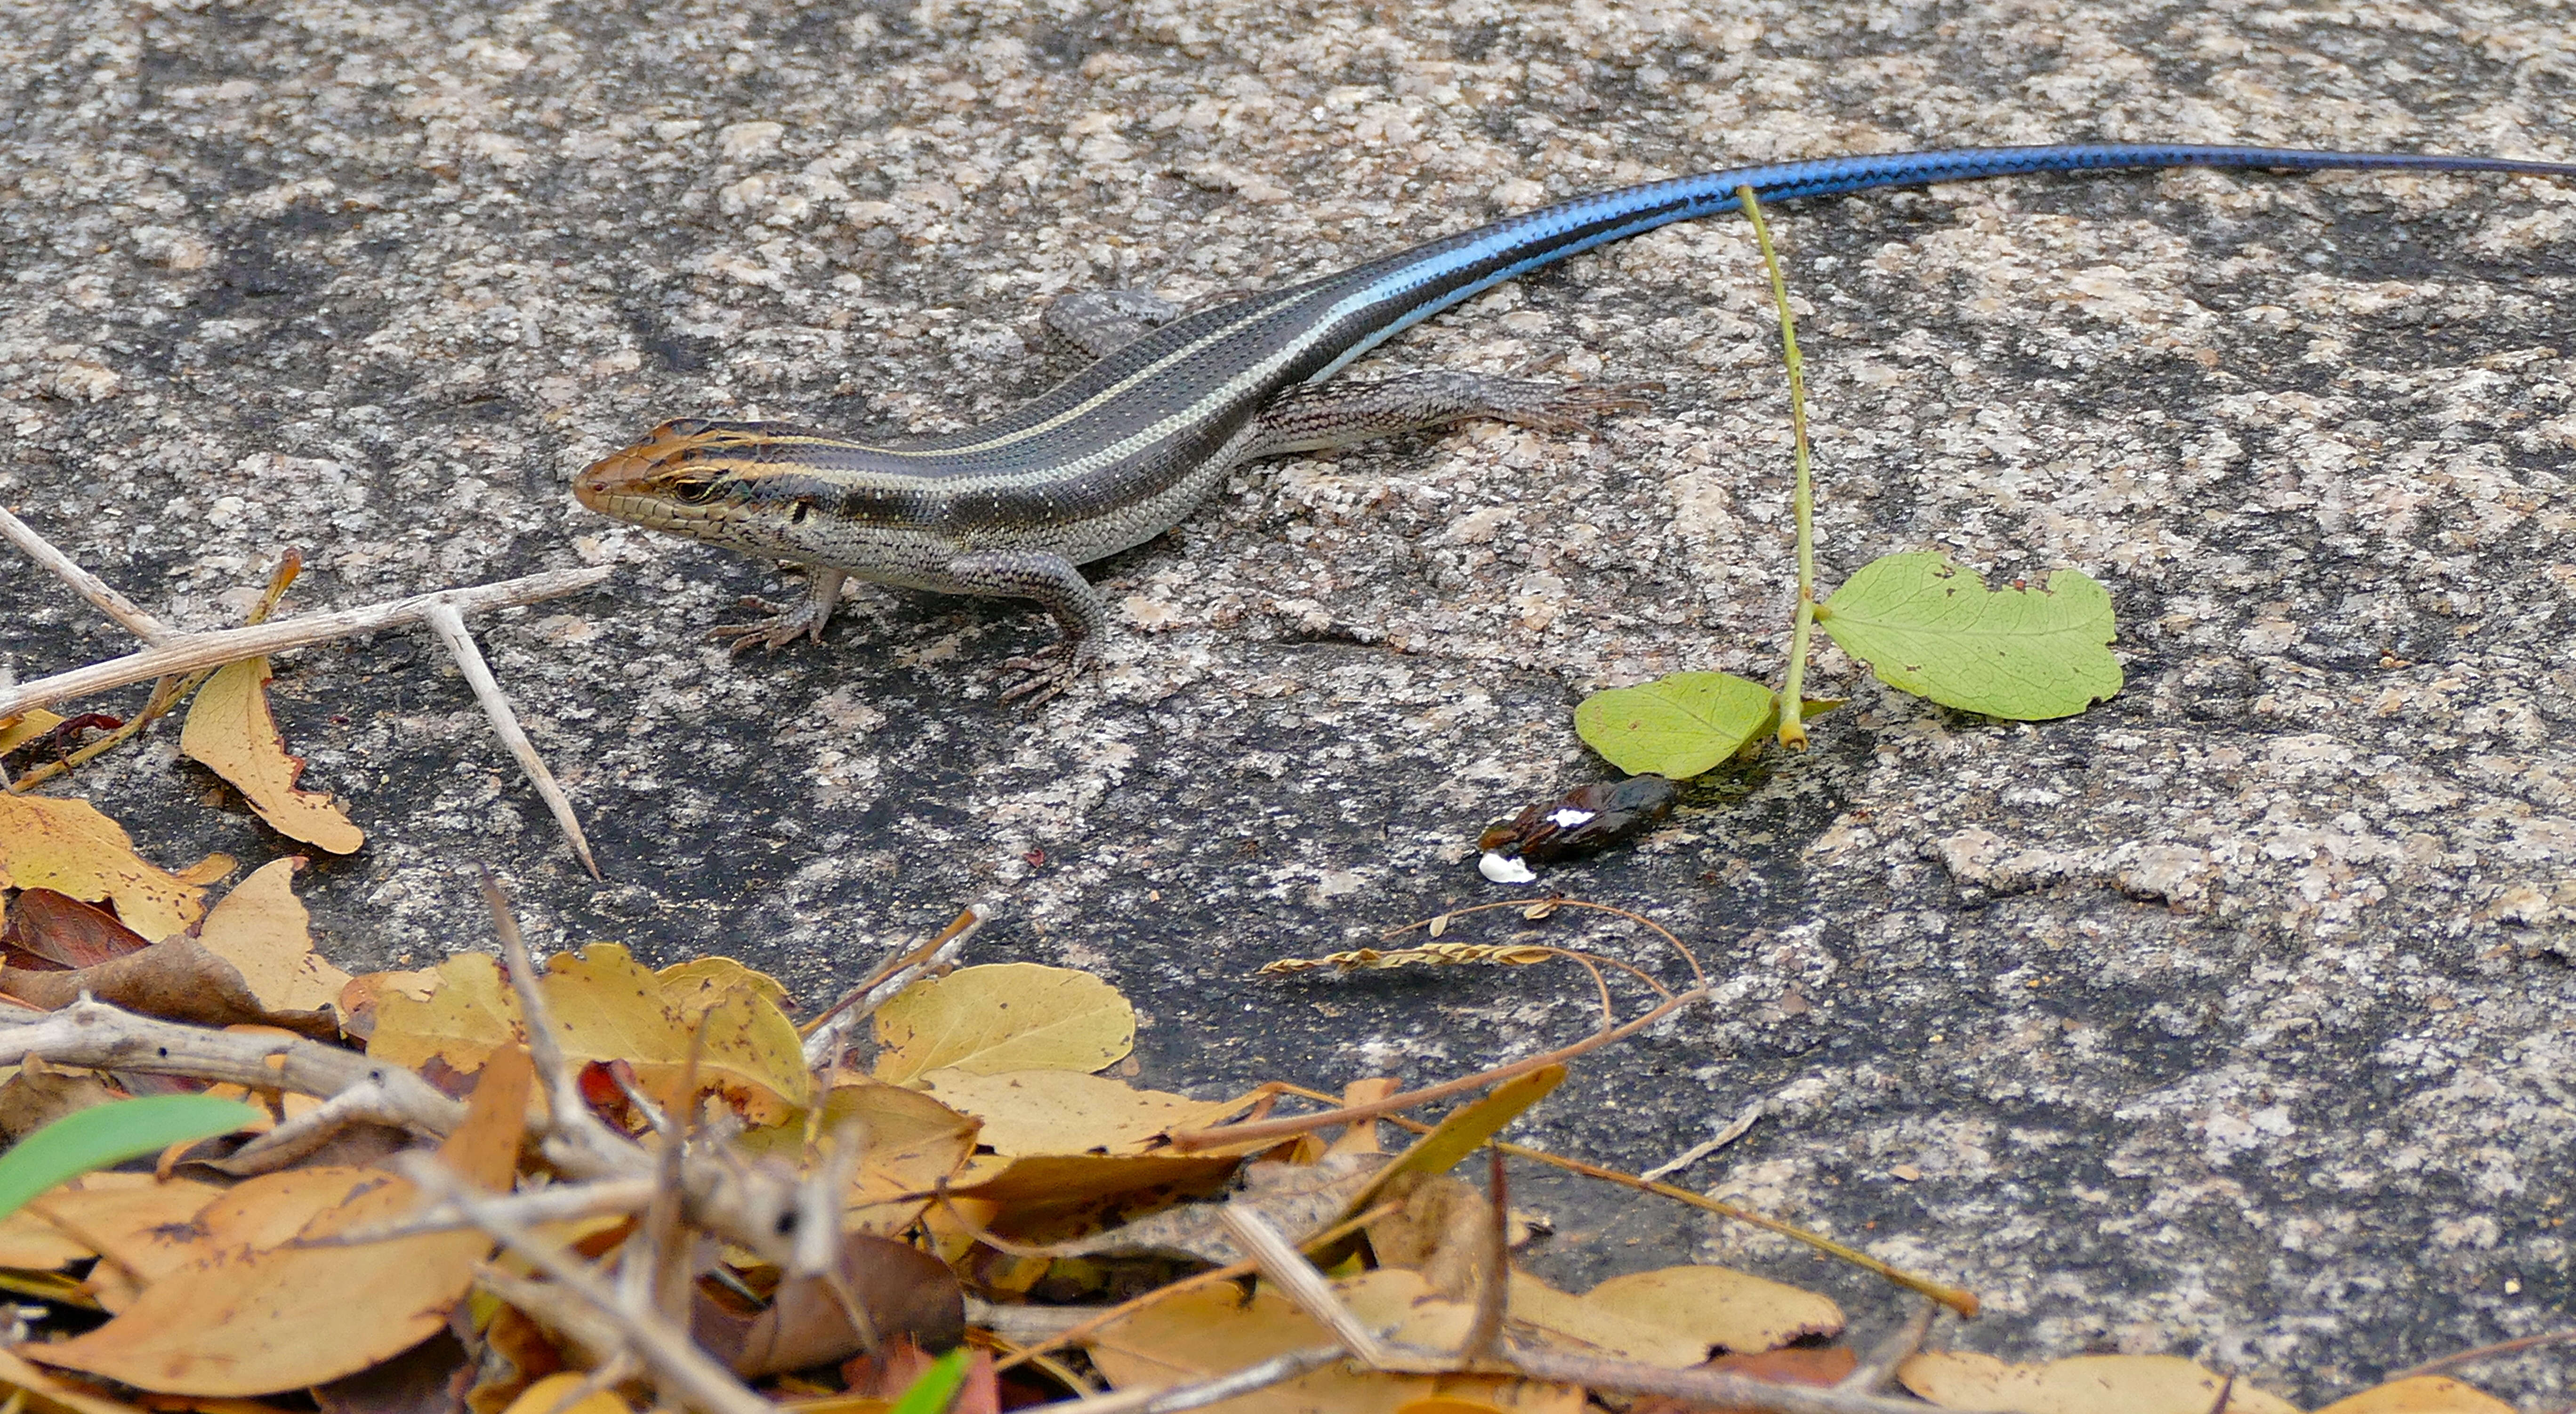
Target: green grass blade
(937, 1387)
(86, 1141)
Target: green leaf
(1675, 726)
(1927, 628)
(86, 1141)
(936, 1388)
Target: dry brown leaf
(547, 1396)
(609, 1008)
(429, 1378)
(241, 1323)
(176, 979)
(1008, 1016)
(54, 1394)
(1719, 1306)
(58, 1228)
(2424, 1394)
(902, 1291)
(1200, 1334)
(50, 927)
(262, 929)
(231, 731)
(1066, 1111)
(2084, 1384)
(67, 846)
(261, 1213)
(1793, 1365)
(39, 1094)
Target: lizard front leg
(785, 626)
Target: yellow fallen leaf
(609, 1008)
(2083, 1384)
(2424, 1394)
(67, 846)
(231, 731)
(1583, 1326)
(246, 1322)
(1719, 1306)
(17, 731)
(1008, 1016)
(1066, 1111)
(1200, 1334)
(546, 1396)
(913, 1143)
(263, 1212)
(262, 929)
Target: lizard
(1123, 450)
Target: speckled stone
(2231, 1019)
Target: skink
(1118, 453)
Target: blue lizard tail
(1426, 280)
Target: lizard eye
(694, 493)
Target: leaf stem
(1793, 733)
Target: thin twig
(89, 586)
(368, 1102)
(663, 1347)
(187, 652)
(1172, 1399)
(534, 1207)
(1878, 1368)
(1269, 1130)
(1494, 1283)
(827, 1034)
(2484, 1352)
(449, 626)
(1700, 1385)
(99, 1036)
(1287, 1269)
(1742, 1124)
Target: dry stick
(89, 586)
(743, 1205)
(828, 1033)
(1741, 1125)
(98, 1036)
(1493, 1290)
(187, 652)
(1704, 1386)
(535, 1207)
(1088, 1325)
(444, 621)
(369, 1102)
(2483, 1352)
(1305, 1124)
(1287, 1269)
(665, 1348)
(1878, 1367)
(1278, 1369)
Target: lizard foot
(1050, 670)
(782, 626)
(1565, 407)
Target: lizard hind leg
(1314, 416)
(1056, 583)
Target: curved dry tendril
(1698, 977)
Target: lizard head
(721, 482)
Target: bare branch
(1878, 1368)
(1287, 1269)
(533, 1207)
(664, 1348)
(89, 586)
(828, 1034)
(2454, 1361)
(1278, 1369)
(444, 621)
(368, 1102)
(103, 1037)
(1705, 1386)
(187, 652)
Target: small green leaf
(936, 1388)
(86, 1141)
(1927, 628)
(1675, 726)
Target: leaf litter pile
(593, 1187)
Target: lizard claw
(780, 627)
(1050, 670)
